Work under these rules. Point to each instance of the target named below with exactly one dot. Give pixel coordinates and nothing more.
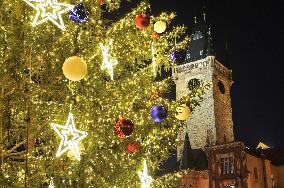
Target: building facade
(209, 147)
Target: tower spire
(186, 160)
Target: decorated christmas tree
(81, 105)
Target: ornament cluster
(75, 69)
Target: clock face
(196, 47)
(193, 84)
(221, 87)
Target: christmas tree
(81, 105)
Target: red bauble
(142, 21)
(101, 2)
(154, 95)
(155, 35)
(133, 147)
(124, 127)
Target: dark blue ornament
(173, 56)
(158, 113)
(79, 13)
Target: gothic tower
(211, 122)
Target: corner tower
(211, 122)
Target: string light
(70, 137)
(145, 179)
(49, 10)
(51, 184)
(108, 60)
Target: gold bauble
(160, 26)
(183, 112)
(74, 68)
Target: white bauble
(160, 26)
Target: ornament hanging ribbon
(154, 60)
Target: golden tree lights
(34, 92)
(51, 184)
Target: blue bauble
(79, 13)
(158, 113)
(177, 56)
(173, 56)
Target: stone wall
(202, 120)
(278, 176)
(211, 122)
(222, 104)
(237, 175)
(259, 172)
(195, 179)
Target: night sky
(254, 32)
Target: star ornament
(108, 60)
(70, 137)
(49, 10)
(145, 179)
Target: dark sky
(255, 33)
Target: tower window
(227, 165)
(193, 84)
(255, 173)
(221, 87)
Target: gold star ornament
(70, 137)
(49, 10)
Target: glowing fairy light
(145, 179)
(49, 10)
(108, 60)
(70, 137)
(51, 184)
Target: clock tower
(211, 122)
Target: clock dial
(196, 47)
(193, 84)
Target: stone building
(209, 147)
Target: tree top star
(49, 10)
(70, 137)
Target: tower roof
(186, 160)
(200, 45)
(262, 146)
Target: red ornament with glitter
(154, 95)
(123, 128)
(142, 21)
(133, 147)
